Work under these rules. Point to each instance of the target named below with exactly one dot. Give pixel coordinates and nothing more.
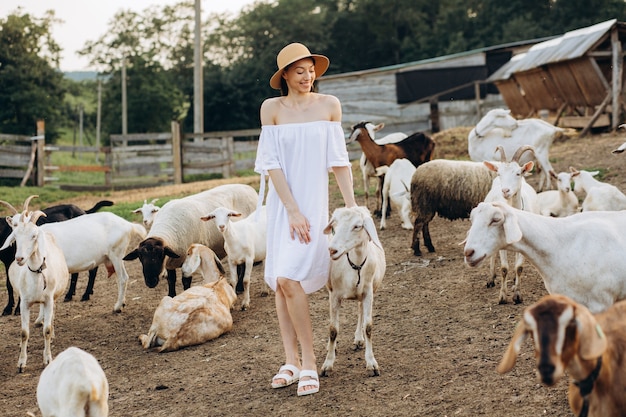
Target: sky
(88, 19)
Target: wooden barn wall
(539, 88)
(372, 97)
(513, 98)
(591, 80)
(565, 79)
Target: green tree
(31, 87)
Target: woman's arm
(298, 224)
(344, 181)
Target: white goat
(244, 243)
(73, 385)
(355, 276)
(148, 212)
(97, 238)
(198, 314)
(591, 348)
(578, 256)
(202, 258)
(498, 127)
(39, 274)
(367, 169)
(561, 202)
(397, 188)
(511, 187)
(599, 196)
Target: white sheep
(148, 212)
(448, 188)
(561, 202)
(498, 127)
(178, 225)
(73, 385)
(599, 196)
(197, 315)
(244, 243)
(578, 256)
(396, 188)
(367, 169)
(511, 187)
(97, 238)
(39, 275)
(355, 276)
(567, 337)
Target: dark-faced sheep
(448, 188)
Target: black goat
(53, 214)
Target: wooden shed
(427, 95)
(575, 80)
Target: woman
(301, 140)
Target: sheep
(355, 276)
(498, 127)
(599, 195)
(570, 253)
(396, 188)
(367, 170)
(244, 243)
(178, 225)
(53, 214)
(148, 212)
(39, 274)
(92, 239)
(417, 148)
(567, 337)
(197, 315)
(448, 188)
(511, 187)
(73, 384)
(561, 202)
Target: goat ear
(9, 240)
(370, 228)
(378, 127)
(137, 210)
(329, 226)
(527, 167)
(207, 217)
(491, 166)
(234, 214)
(510, 355)
(169, 252)
(512, 232)
(592, 342)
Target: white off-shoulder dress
(305, 152)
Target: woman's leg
(295, 321)
(287, 332)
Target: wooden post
(176, 153)
(434, 115)
(616, 82)
(479, 112)
(41, 154)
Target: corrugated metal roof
(573, 44)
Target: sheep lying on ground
(396, 189)
(178, 225)
(75, 385)
(39, 274)
(197, 315)
(599, 196)
(244, 243)
(579, 256)
(561, 202)
(355, 276)
(448, 188)
(201, 258)
(592, 349)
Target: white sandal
(313, 382)
(289, 378)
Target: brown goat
(591, 348)
(417, 148)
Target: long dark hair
(284, 90)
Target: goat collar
(356, 267)
(40, 269)
(586, 386)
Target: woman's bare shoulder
(269, 110)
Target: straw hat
(295, 52)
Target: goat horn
(154, 200)
(9, 206)
(521, 150)
(502, 154)
(27, 202)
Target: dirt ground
(438, 334)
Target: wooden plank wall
(15, 155)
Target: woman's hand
(299, 226)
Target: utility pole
(198, 90)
